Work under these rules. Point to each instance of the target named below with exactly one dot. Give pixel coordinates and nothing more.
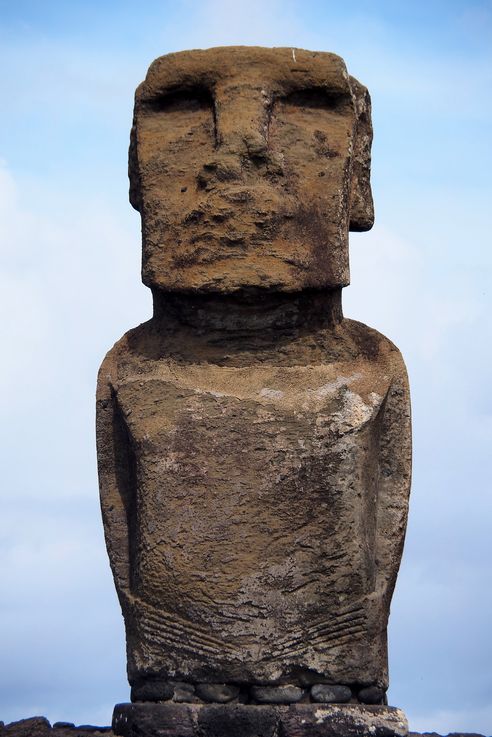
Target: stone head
(249, 166)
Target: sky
(70, 287)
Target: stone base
(248, 720)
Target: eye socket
(183, 100)
(318, 98)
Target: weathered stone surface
(152, 690)
(243, 162)
(349, 720)
(154, 720)
(238, 720)
(220, 693)
(183, 693)
(278, 455)
(371, 695)
(263, 722)
(277, 694)
(330, 694)
(253, 445)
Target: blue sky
(70, 287)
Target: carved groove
(168, 627)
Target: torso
(246, 475)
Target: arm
(116, 478)
(394, 485)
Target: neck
(257, 313)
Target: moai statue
(253, 444)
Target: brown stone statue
(253, 444)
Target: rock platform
(247, 720)
(40, 727)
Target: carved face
(249, 166)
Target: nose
(256, 146)
(239, 147)
(243, 139)
(241, 121)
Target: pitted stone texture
(330, 694)
(152, 690)
(240, 721)
(253, 446)
(183, 693)
(371, 695)
(285, 459)
(220, 693)
(248, 166)
(155, 720)
(348, 720)
(298, 720)
(277, 694)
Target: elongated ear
(133, 165)
(133, 173)
(361, 204)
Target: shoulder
(124, 354)
(371, 345)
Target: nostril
(257, 152)
(203, 180)
(258, 159)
